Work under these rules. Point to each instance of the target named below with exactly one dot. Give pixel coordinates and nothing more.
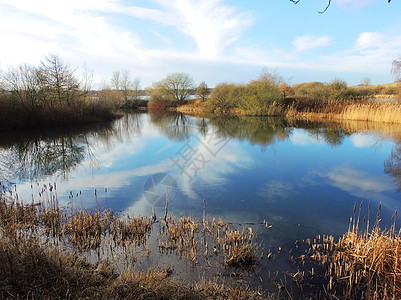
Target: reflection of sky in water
(301, 184)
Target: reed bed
(354, 110)
(209, 238)
(365, 263)
(377, 111)
(45, 246)
(46, 251)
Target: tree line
(32, 94)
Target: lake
(302, 178)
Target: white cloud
(275, 189)
(211, 24)
(363, 141)
(368, 40)
(309, 42)
(353, 180)
(364, 185)
(301, 137)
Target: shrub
(261, 95)
(225, 97)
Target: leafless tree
(178, 86)
(125, 84)
(87, 80)
(396, 69)
(202, 90)
(366, 81)
(136, 87)
(23, 82)
(116, 81)
(59, 79)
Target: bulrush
(363, 263)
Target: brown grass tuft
(363, 263)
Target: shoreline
(366, 110)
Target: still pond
(303, 178)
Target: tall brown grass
(51, 252)
(365, 263)
(377, 111)
(361, 110)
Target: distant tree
(366, 81)
(87, 80)
(125, 84)
(202, 91)
(59, 80)
(24, 84)
(136, 87)
(396, 69)
(158, 100)
(125, 88)
(177, 86)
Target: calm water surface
(302, 178)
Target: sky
(212, 40)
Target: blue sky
(213, 40)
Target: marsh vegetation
(66, 252)
(47, 96)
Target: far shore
(361, 110)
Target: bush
(259, 97)
(225, 97)
(262, 94)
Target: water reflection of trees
(176, 126)
(256, 130)
(29, 156)
(392, 165)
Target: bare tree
(136, 87)
(125, 84)
(366, 81)
(116, 81)
(87, 80)
(178, 86)
(202, 90)
(59, 79)
(23, 82)
(396, 69)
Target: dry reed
(354, 110)
(45, 252)
(364, 263)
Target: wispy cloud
(210, 23)
(309, 42)
(364, 141)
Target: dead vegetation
(50, 252)
(364, 263)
